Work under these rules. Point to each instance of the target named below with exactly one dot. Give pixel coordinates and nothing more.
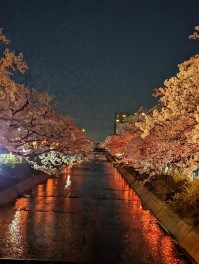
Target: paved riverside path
(89, 215)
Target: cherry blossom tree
(195, 35)
(168, 133)
(116, 144)
(129, 143)
(177, 114)
(164, 140)
(29, 125)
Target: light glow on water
(68, 182)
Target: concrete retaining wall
(186, 235)
(14, 191)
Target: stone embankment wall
(15, 182)
(187, 236)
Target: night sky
(98, 57)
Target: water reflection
(70, 218)
(160, 244)
(157, 245)
(68, 182)
(128, 194)
(16, 233)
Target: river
(87, 215)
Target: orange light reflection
(159, 243)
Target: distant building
(120, 119)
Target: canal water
(88, 215)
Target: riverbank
(14, 182)
(187, 236)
